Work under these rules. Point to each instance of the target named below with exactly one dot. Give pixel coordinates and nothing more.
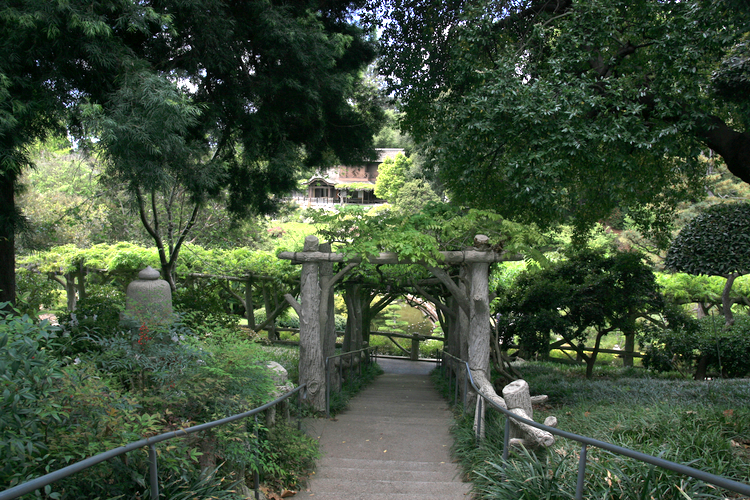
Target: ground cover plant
(65, 400)
(704, 424)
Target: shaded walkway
(393, 442)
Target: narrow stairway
(393, 442)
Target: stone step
(392, 442)
(379, 496)
(437, 489)
(362, 464)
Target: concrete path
(393, 442)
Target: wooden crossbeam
(453, 257)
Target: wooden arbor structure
(469, 334)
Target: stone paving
(392, 442)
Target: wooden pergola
(469, 338)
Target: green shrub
(148, 357)
(688, 422)
(288, 456)
(34, 292)
(702, 347)
(205, 305)
(28, 390)
(96, 316)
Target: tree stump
(518, 401)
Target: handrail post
(450, 381)
(328, 390)
(581, 472)
(466, 390)
(256, 475)
(153, 471)
(480, 408)
(299, 408)
(455, 391)
(506, 439)
(341, 373)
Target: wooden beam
(454, 257)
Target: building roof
(331, 177)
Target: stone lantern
(149, 298)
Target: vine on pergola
(418, 239)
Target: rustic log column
(479, 324)
(311, 362)
(327, 317)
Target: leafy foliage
(420, 236)
(578, 109)
(392, 176)
(587, 291)
(34, 292)
(715, 243)
(28, 378)
(699, 348)
(414, 196)
(176, 79)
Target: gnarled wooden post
(311, 362)
(516, 395)
(327, 316)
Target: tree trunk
(353, 299)
(451, 332)
(249, 305)
(70, 291)
(627, 359)
(311, 362)
(267, 304)
(726, 300)
(733, 146)
(81, 281)
(7, 237)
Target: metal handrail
(707, 477)
(151, 442)
(374, 354)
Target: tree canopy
(547, 110)
(715, 243)
(224, 94)
(391, 176)
(589, 290)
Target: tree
(254, 85)
(52, 54)
(547, 110)
(413, 196)
(586, 292)
(391, 176)
(715, 243)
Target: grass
(702, 424)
